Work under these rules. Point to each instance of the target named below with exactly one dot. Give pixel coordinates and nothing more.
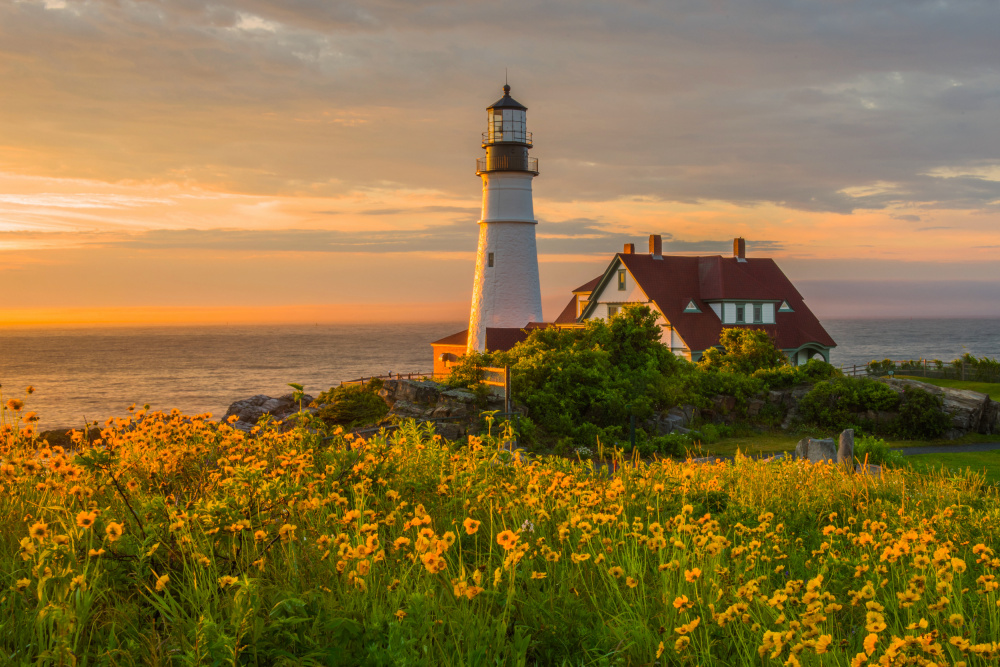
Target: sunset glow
(254, 163)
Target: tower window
(489, 259)
(621, 280)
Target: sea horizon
(96, 372)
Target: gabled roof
(674, 281)
(589, 286)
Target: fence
(419, 375)
(966, 369)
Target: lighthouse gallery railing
(507, 163)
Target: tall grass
(179, 541)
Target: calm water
(96, 373)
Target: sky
(313, 160)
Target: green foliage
(921, 415)
(876, 451)
(782, 377)
(835, 404)
(744, 351)
(581, 385)
(353, 405)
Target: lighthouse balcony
(519, 137)
(507, 163)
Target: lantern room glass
(506, 125)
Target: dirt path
(950, 449)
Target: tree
(743, 351)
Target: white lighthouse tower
(506, 290)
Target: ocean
(95, 373)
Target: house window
(758, 314)
(768, 313)
(489, 259)
(621, 280)
(612, 311)
(739, 314)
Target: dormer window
(785, 308)
(692, 307)
(739, 315)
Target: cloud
(736, 101)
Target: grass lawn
(992, 389)
(979, 462)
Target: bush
(921, 415)
(744, 351)
(876, 451)
(581, 385)
(352, 405)
(834, 404)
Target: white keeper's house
(694, 297)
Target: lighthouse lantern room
(505, 290)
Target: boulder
(816, 450)
(417, 391)
(845, 451)
(404, 409)
(724, 404)
(969, 410)
(754, 406)
(791, 417)
(250, 410)
(775, 397)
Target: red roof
(673, 281)
(588, 287)
(568, 314)
(498, 339)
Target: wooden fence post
(508, 403)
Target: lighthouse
(505, 290)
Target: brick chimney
(740, 249)
(629, 249)
(656, 246)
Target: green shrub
(876, 451)
(921, 415)
(352, 405)
(744, 351)
(834, 404)
(783, 377)
(581, 385)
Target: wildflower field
(175, 540)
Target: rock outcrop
(970, 411)
(250, 410)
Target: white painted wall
(717, 309)
(611, 294)
(507, 294)
(507, 197)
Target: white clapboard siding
(729, 311)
